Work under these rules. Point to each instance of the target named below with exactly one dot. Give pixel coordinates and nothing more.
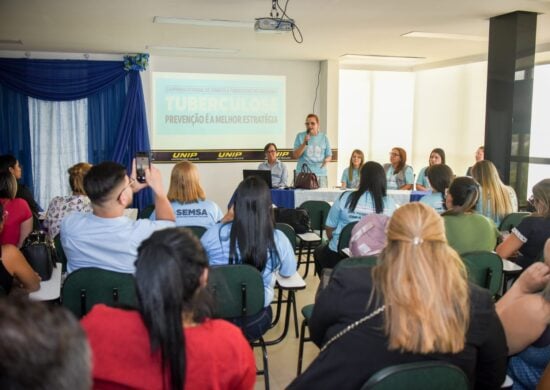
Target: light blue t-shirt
(216, 244)
(397, 180)
(354, 183)
(340, 215)
(279, 174)
(107, 243)
(317, 149)
(203, 213)
(489, 213)
(422, 179)
(434, 200)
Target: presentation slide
(216, 111)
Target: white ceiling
(330, 28)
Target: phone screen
(142, 162)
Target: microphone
(307, 131)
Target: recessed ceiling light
(204, 22)
(373, 59)
(215, 50)
(459, 37)
(11, 42)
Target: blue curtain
(60, 80)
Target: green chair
(427, 375)
(345, 236)
(60, 252)
(146, 212)
(318, 212)
(365, 261)
(512, 220)
(198, 231)
(288, 231)
(86, 287)
(484, 269)
(238, 291)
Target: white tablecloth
(400, 197)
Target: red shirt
(16, 211)
(216, 353)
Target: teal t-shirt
(317, 149)
(354, 183)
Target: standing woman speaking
(312, 147)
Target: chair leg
(307, 259)
(266, 369)
(301, 346)
(295, 313)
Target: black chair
(238, 291)
(60, 252)
(86, 287)
(318, 212)
(428, 375)
(198, 231)
(146, 212)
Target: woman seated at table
(17, 214)
(251, 238)
(188, 198)
(60, 206)
(14, 267)
(350, 176)
(415, 305)
(399, 175)
(467, 231)
(168, 342)
(437, 156)
(279, 173)
(496, 200)
(370, 198)
(525, 314)
(440, 177)
(526, 242)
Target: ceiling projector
(273, 25)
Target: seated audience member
(168, 342)
(415, 305)
(440, 177)
(279, 173)
(525, 314)
(9, 163)
(437, 156)
(479, 156)
(61, 206)
(14, 266)
(527, 239)
(351, 175)
(399, 175)
(370, 198)
(251, 238)
(467, 231)
(42, 347)
(106, 238)
(17, 214)
(188, 198)
(496, 200)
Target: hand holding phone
(142, 162)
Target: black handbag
(297, 218)
(306, 179)
(40, 253)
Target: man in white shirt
(106, 238)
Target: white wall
(220, 179)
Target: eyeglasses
(130, 182)
(310, 123)
(394, 154)
(271, 151)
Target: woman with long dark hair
(370, 198)
(251, 238)
(440, 177)
(161, 345)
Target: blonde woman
(496, 200)
(526, 242)
(420, 307)
(188, 198)
(351, 175)
(61, 206)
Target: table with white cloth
(400, 197)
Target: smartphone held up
(143, 161)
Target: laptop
(265, 175)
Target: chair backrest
(288, 231)
(238, 290)
(345, 236)
(198, 231)
(363, 261)
(85, 287)
(428, 375)
(60, 252)
(146, 212)
(484, 269)
(512, 220)
(318, 212)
